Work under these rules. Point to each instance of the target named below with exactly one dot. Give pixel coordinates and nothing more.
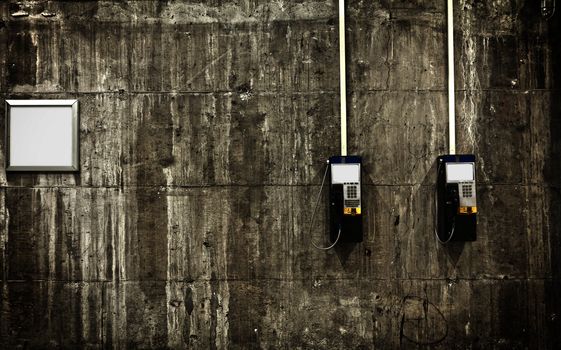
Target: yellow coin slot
(351, 211)
(467, 210)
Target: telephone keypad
(352, 195)
(352, 192)
(467, 190)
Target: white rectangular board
(42, 135)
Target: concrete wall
(204, 131)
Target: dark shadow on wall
(343, 251)
(452, 250)
(552, 174)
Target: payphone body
(456, 206)
(345, 209)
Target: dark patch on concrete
(213, 310)
(243, 88)
(512, 301)
(279, 43)
(493, 124)
(245, 314)
(247, 160)
(52, 309)
(200, 134)
(189, 306)
(58, 252)
(323, 115)
(21, 59)
(154, 143)
(552, 172)
(504, 69)
(22, 244)
(151, 229)
(146, 315)
(111, 247)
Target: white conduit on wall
(342, 78)
(451, 99)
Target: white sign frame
(74, 144)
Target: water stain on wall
(204, 132)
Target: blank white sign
(457, 172)
(341, 173)
(42, 137)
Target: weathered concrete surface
(204, 130)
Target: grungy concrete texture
(205, 126)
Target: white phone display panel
(459, 172)
(345, 173)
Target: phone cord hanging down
(314, 214)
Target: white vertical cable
(451, 99)
(342, 78)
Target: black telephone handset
(452, 199)
(336, 197)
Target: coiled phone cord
(436, 213)
(314, 214)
